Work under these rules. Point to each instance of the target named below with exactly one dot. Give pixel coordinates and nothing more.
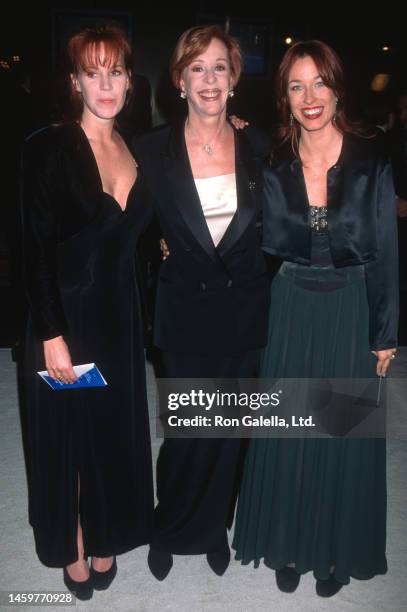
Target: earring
(291, 120)
(183, 94)
(334, 115)
(231, 93)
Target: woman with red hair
(320, 504)
(211, 310)
(84, 206)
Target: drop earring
(231, 93)
(334, 115)
(183, 94)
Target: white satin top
(219, 202)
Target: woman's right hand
(402, 207)
(58, 360)
(164, 249)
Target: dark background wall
(357, 31)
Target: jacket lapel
(186, 198)
(182, 185)
(248, 188)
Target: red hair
(330, 69)
(85, 51)
(195, 41)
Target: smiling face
(312, 103)
(103, 86)
(207, 80)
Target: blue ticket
(88, 376)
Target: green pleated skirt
(317, 503)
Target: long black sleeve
(382, 278)
(40, 185)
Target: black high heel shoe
(287, 579)
(159, 562)
(102, 580)
(329, 587)
(82, 590)
(219, 561)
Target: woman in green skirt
(320, 504)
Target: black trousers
(197, 479)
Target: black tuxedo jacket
(209, 299)
(362, 222)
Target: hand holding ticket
(88, 376)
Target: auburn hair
(195, 41)
(84, 51)
(330, 69)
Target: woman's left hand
(383, 360)
(239, 124)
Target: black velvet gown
(80, 273)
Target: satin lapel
(248, 187)
(184, 193)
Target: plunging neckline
(109, 195)
(106, 193)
